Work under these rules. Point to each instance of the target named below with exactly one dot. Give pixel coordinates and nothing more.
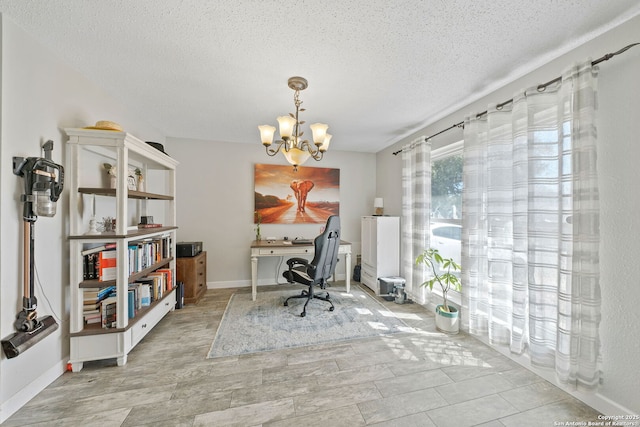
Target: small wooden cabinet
(192, 271)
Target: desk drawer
(286, 251)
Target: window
(446, 200)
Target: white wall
(619, 152)
(40, 97)
(215, 204)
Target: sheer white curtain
(416, 210)
(530, 227)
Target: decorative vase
(141, 183)
(447, 322)
(258, 236)
(112, 181)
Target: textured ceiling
(377, 69)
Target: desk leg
(254, 277)
(347, 265)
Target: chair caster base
(331, 308)
(304, 313)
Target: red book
(107, 265)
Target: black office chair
(323, 265)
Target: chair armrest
(297, 261)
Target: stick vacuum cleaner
(43, 181)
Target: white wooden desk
(262, 248)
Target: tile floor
(414, 379)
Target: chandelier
(291, 145)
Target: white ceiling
(378, 70)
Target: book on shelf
(145, 294)
(135, 288)
(98, 249)
(108, 312)
(154, 280)
(131, 303)
(107, 265)
(145, 253)
(143, 226)
(91, 261)
(92, 297)
(92, 319)
(168, 274)
(89, 271)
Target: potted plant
(443, 273)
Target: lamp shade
(296, 156)
(378, 204)
(266, 134)
(286, 124)
(319, 132)
(325, 145)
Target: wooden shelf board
(131, 193)
(110, 235)
(95, 329)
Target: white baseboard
(22, 397)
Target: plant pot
(447, 322)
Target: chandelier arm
(316, 154)
(273, 151)
(306, 144)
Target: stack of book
(93, 301)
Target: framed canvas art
(309, 195)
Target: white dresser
(380, 249)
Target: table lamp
(378, 204)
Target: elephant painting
(300, 189)
(281, 195)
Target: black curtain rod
(540, 87)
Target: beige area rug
(265, 324)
